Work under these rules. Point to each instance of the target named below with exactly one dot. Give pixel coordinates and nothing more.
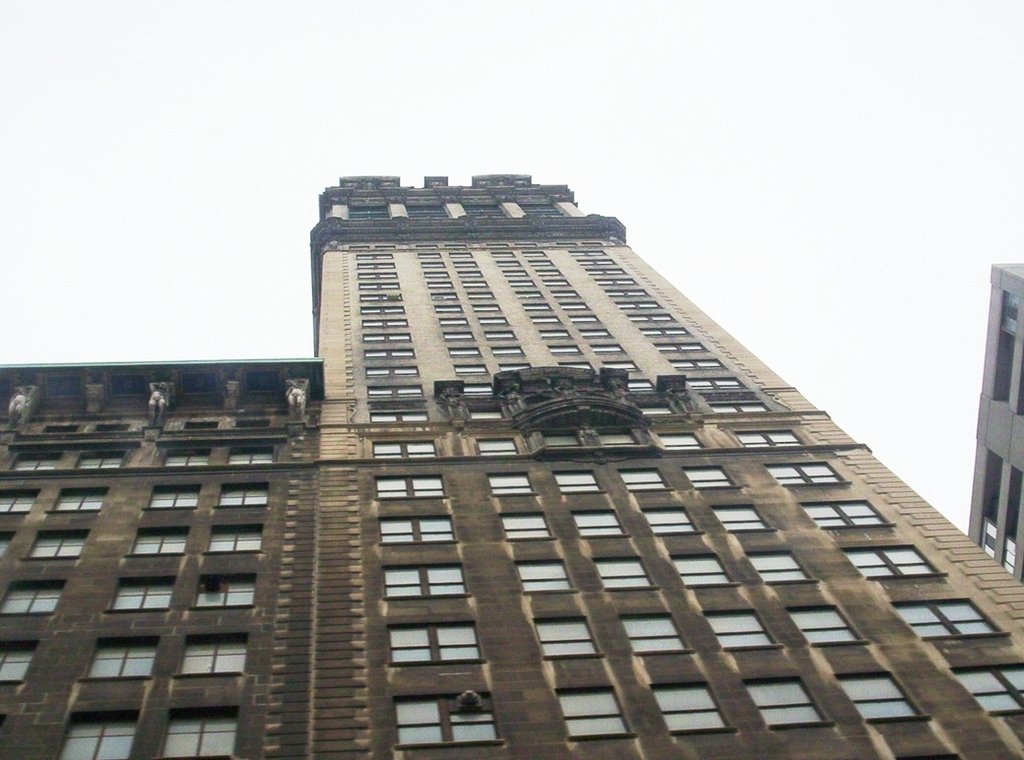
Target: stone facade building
(529, 502)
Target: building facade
(528, 502)
(999, 465)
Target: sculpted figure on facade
(295, 395)
(19, 409)
(159, 400)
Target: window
(398, 416)
(598, 333)
(430, 580)
(14, 661)
(394, 391)
(707, 477)
(200, 736)
(876, 696)
(564, 638)
(433, 643)
(777, 566)
(236, 538)
(54, 545)
(564, 350)
(642, 480)
(737, 629)
(576, 482)
(597, 523)
(398, 530)
(173, 497)
(81, 499)
(655, 410)
(507, 351)
(617, 439)
(491, 321)
(654, 332)
(665, 521)
(497, 446)
(688, 708)
(735, 408)
(453, 335)
(608, 348)
(436, 720)
(622, 573)
(101, 460)
(678, 347)
(251, 456)
(390, 353)
(216, 654)
(543, 576)
(386, 337)
(144, 594)
(17, 502)
(701, 570)
(737, 519)
(244, 495)
(631, 366)
(99, 740)
(37, 462)
(397, 488)
(378, 323)
(951, 618)
(217, 591)
(31, 598)
(714, 384)
(591, 713)
(123, 659)
(999, 689)
(822, 625)
(783, 702)
(499, 335)
(404, 449)
(803, 474)
(767, 439)
(679, 441)
(525, 526)
(160, 541)
(470, 369)
(843, 514)
(392, 372)
(889, 563)
(477, 389)
(553, 334)
(695, 363)
(508, 485)
(652, 633)
(560, 440)
(187, 458)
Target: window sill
(607, 535)
(435, 663)
(586, 656)
(69, 512)
(406, 498)
(588, 491)
(10, 681)
(382, 543)
(850, 642)
(632, 588)
(664, 652)
(551, 591)
(729, 487)
(156, 554)
(48, 559)
(691, 731)
(502, 495)
(217, 674)
(969, 636)
(247, 552)
(838, 483)
(859, 527)
(900, 719)
(754, 648)
(809, 724)
(729, 584)
(793, 582)
(112, 679)
(417, 598)
(660, 489)
(530, 538)
(748, 531)
(136, 611)
(920, 576)
(601, 737)
(443, 745)
(224, 607)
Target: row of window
(69, 544)
(124, 427)
(190, 733)
(406, 371)
(700, 478)
(105, 460)
(162, 497)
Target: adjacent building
(527, 502)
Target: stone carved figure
(469, 701)
(565, 388)
(231, 394)
(20, 406)
(159, 399)
(295, 395)
(453, 403)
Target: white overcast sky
(830, 181)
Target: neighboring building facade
(999, 466)
(533, 504)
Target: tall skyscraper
(528, 502)
(999, 465)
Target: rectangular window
(389, 353)
(404, 449)
(123, 658)
(803, 474)
(392, 372)
(525, 526)
(737, 519)
(843, 514)
(665, 521)
(622, 573)
(386, 337)
(543, 576)
(484, 414)
(58, 544)
(597, 523)
(695, 363)
(415, 530)
(768, 439)
(101, 460)
(30, 462)
(14, 661)
(31, 598)
(948, 618)
(218, 591)
(236, 538)
(784, 702)
(81, 499)
(244, 495)
(200, 735)
(774, 567)
(564, 638)
(457, 353)
(609, 348)
(998, 690)
(564, 350)
(497, 447)
(187, 458)
(214, 654)
(144, 594)
(652, 633)
(617, 439)
(394, 391)
(173, 497)
(576, 482)
(892, 562)
(429, 486)
(437, 720)
(17, 502)
(735, 630)
(509, 485)
(429, 580)
(822, 625)
(95, 739)
(642, 480)
(470, 369)
(446, 642)
(876, 696)
(150, 541)
(398, 416)
(738, 407)
(591, 713)
(701, 570)
(507, 351)
(707, 477)
(679, 441)
(688, 708)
